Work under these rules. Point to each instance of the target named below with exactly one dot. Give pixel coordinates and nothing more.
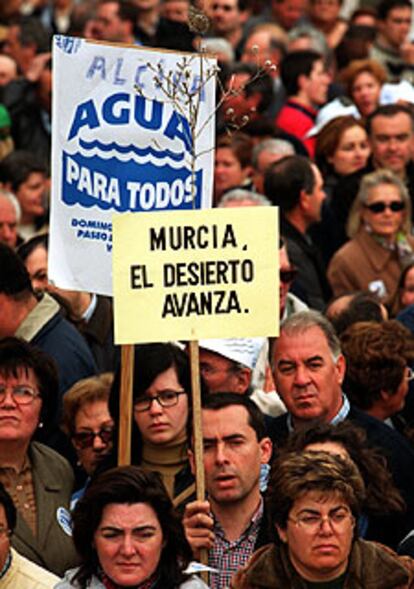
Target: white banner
(132, 131)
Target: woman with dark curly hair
(128, 535)
(383, 507)
(378, 358)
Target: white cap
(334, 109)
(392, 93)
(244, 350)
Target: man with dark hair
(392, 48)
(41, 323)
(17, 571)
(228, 18)
(232, 523)
(305, 81)
(287, 13)
(115, 21)
(296, 186)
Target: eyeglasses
(165, 399)
(287, 276)
(379, 207)
(312, 523)
(87, 439)
(22, 395)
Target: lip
(326, 548)
(158, 426)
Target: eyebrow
(310, 359)
(230, 438)
(136, 529)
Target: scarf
(149, 583)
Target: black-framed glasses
(287, 276)
(379, 207)
(164, 398)
(87, 439)
(21, 394)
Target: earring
(40, 425)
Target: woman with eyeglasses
(128, 534)
(379, 227)
(39, 480)
(88, 423)
(314, 502)
(161, 404)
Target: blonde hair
(370, 181)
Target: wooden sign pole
(125, 405)
(198, 434)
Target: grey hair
(370, 181)
(278, 146)
(13, 200)
(218, 45)
(318, 41)
(239, 195)
(304, 320)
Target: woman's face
(228, 172)
(36, 264)
(319, 548)
(352, 151)
(385, 223)
(366, 92)
(407, 291)
(129, 542)
(93, 434)
(18, 422)
(162, 425)
(31, 196)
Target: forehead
(301, 345)
(399, 12)
(92, 411)
(393, 124)
(228, 421)
(382, 191)
(319, 501)
(21, 374)
(6, 208)
(128, 515)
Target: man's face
(232, 455)
(315, 198)
(288, 12)
(316, 84)
(257, 49)
(396, 26)
(225, 16)
(176, 10)
(220, 375)
(306, 376)
(391, 141)
(8, 223)
(264, 161)
(8, 70)
(108, 26)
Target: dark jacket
(310, 284)
(370, 566)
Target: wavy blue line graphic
(89, 145)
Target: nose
(325, 528)
(221, 455)
(127, 546)
(301, 376)
(155, 408)
(98, 444)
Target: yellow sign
(196, 274)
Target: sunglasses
(379, 207)
(287, 276)
(86, 439)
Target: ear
(244, 16)
(191, 461)
(302, 82)
(243, 378)
(266, 448)
(304, 201)
(282, 533)
(340, 368)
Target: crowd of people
(308, 437)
